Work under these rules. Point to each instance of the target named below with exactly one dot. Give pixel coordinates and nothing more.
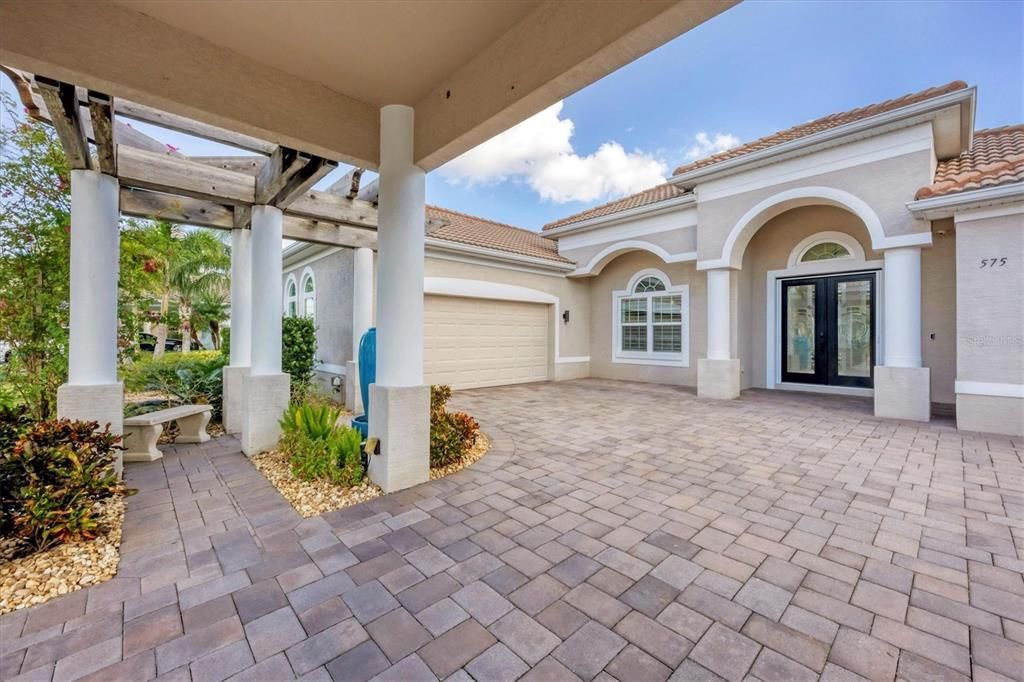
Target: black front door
(828, 330)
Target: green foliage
(187, 378)
(336, 459)
(298, 351)
(52, 478)
(317, 448)
(452, 434)
(14, 421)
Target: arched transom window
(825, 251)
(291, 297)
(651, 325)
(308, 306)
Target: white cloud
(539, 152)
(705, 145)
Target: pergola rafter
(159, 182)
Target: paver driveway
(615, 531)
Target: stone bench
(142, 432)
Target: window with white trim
(308, 295)
(291, 297)
(825, 251)
(651, 322)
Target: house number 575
(993, 262)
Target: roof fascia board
(945, 206)
(909, 115)
(622, 216)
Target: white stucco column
(718, 374)
(241, 328)
(399, 402)
(719, 322)
(362, 319)
(902, 385)
(902, 317)
(266, 387)
(93, 392)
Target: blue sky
(759, 67)
(765, 66)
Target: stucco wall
(615, 277)
(990, 320)
(885, 185)
(333, 275)
(938, 312)
(769, 249)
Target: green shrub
(14, 421)
(52, 478)
(335, 459)
(298, 351)
(186, 378)
(452, 434)
(314, 420)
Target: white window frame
(288, 298)
(853, 248)
(680, 359)
(307, 276)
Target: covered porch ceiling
(313, 75)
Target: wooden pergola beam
(62, 103)
(348, 184)
(191, 211)
(283, 163)
(101, 115)
(181, 124)
(303, 181)
(240, 164)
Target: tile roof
(474, 231)
(648, 196)
(824, 123)
(666, 191)
(995, 158)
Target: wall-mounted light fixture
(336, 383)
(565, 316)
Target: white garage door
(472, 342)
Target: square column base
(903, 393)
(400, 418)
(718, 379)
(234, 390)
(990, 414)
(353, 399)
(264, 399)
(103, 403)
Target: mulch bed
(37, 578)
(312, 498)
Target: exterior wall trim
(622, 216)
(476, 288)
(485, 253)
(851, 244)
(989, 388)
(766, 209)
(329, 368)
(939, 207)
(595, 265)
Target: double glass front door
(828, 330)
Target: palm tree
(199, 272)
(210, 310)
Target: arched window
(291, 297)
(308, 295)
(651, 321)
(825, 251)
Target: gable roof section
(996, 158)
(823, 123)
(473, 231)
(644, 198)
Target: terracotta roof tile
(648, 196)
(995, 158)
(466, 229)
(824, 123)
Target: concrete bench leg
(193, 429)
(140, 442)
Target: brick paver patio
(616, 531)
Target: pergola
(398, 87)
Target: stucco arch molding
(751, 221)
